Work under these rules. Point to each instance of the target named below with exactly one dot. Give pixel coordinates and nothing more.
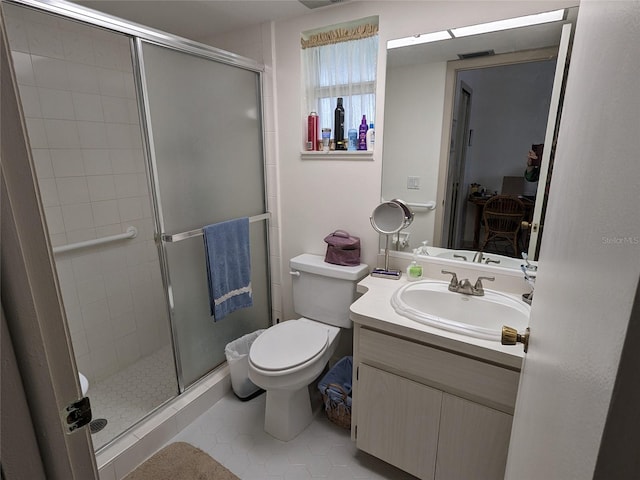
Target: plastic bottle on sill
(371, 138)
(362, 136)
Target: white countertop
(373, 309)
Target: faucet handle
(454, 278)
(478, 285)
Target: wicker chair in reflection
(502, 216)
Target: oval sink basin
(430, 302)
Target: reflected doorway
(490, 139)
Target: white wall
(414, 101)
(77, 91)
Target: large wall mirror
(462, 116)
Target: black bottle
(339, 126)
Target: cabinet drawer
(478, 381)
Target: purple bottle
(362, 134)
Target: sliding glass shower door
(204, 122)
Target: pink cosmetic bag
(342, 249)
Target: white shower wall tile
(105, 212)
(92, 134)
(55, 224)
(50, 72)
(45, 40)
(67, 163)
(112, 83)
(36, 133)
(77, 217)
(83, 78)
(62, 133)
(126, 185)
(56, 104)
(78, 47)
(23, 68)
(101, 187)
(116, 110)
(30, 101)
(49, 192)
(42, 161)
(73, 190)
(16, 31)
(96, 162)
(87, 107)
(81, 235)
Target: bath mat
(181, 461)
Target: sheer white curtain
(346, 69)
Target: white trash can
(237, 353)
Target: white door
(589, 262)
(554, 111)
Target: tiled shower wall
(77, 90)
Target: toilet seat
(288, 345)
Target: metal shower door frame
(137, 34)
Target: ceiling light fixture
(418, 39)
(509, 23)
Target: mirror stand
(388, 219)
(385, 272)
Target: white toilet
(287, 357)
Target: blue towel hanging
(228, 266)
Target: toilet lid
(288, 344)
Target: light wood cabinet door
(398, 420)
(474, 441)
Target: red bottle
(313, 125)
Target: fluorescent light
(418, 39)
(509, 23)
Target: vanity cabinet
(429, 411)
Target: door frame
(454, 211)
(453, 67)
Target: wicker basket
(339, 412)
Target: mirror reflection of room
(502, 112)
(462, 119)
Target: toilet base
(287, 413)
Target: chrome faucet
(464, 286)
(479, 257)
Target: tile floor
(129, 395)
(232, 432)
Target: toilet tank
(323, 291)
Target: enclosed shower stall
(139, 140)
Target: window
(341, 61)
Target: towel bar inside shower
(198, 232)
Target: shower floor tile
(127, 396)
(232, 432)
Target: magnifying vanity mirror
(461, 116)
(390, 218)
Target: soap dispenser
(414, 270)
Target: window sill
(338, 155)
